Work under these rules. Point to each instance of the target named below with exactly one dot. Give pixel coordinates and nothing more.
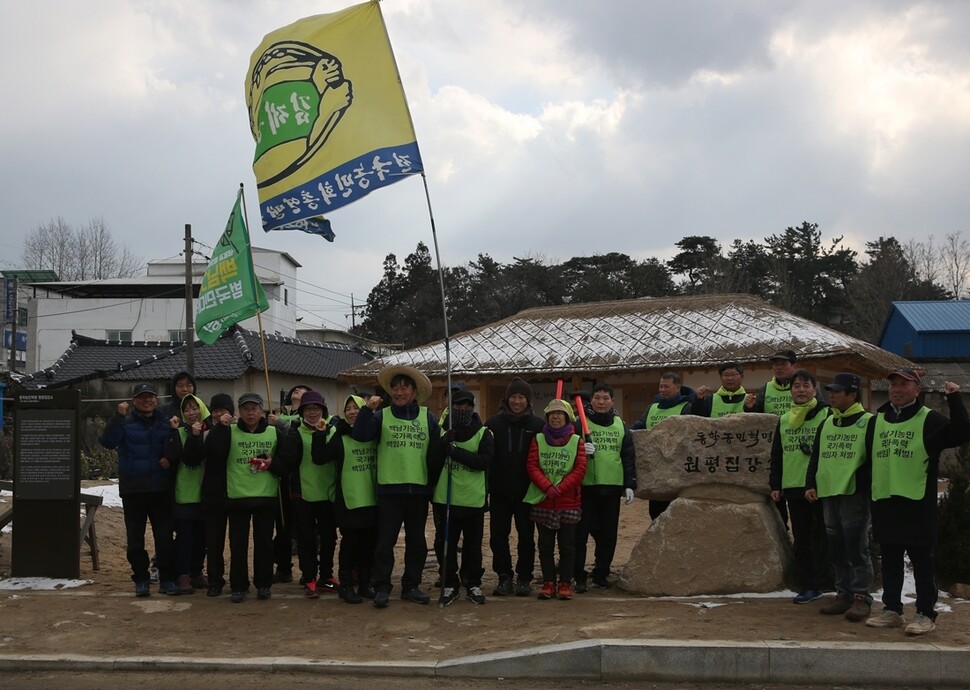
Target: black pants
(189, 546)
(924, 572)
(262, 520)
(469, 527)
(806, 519)
(357, 546)
(566, 536)
(283, 524)
(139, 509)
(600, 518)
(216, 519)
(393, 512)
(503, 512)
(315, 523)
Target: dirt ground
(105, 619)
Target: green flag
(229, 292)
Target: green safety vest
(241, 481)
(605, 467)
(777, 400)
(403, 448)
(720, 408)
(467, 485)
(899, 458)
(655, 414)
(794, 461)
(188, 480)
(358, 477)
(555, 461)
(317, 482)
(841, 452)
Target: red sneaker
(328, 585)
(548, 590)
(310, 590)
(565, 591)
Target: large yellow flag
(329, 116)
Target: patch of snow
(109, 492)
(44, 583)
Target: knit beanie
(222, 401)
(521, 387)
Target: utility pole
(189, 318)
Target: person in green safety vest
(774, 397)
(461, 497)
(838, 476)
(355, 506)
(728, 399)
(611, 476)
(247, 452)
(791, 450)
(905, 445)
(406, 433)
(314, 489)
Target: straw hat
(387, 374)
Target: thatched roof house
(629, 343)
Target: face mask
(461, 417)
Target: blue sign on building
(21, 340)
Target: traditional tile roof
(237, 351)
(637, 334)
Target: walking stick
(444, 550)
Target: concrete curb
(723, 661)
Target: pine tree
(953, 543)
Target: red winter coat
(571, 484)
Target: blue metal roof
(936, 316)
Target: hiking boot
(184, 584)
(581, 587)
(475, 595)
(548, 590)
(504, 587)
(264, 593)
(143, 589)
(283, 576)
(860, 608)
(523, 588)
(214, 591)
(448, 596)
(921, 625)
(310, 590)
(168, 587)
(601, 582)
(348, 595)
(837, 607)
(807, 595)
(328, 585)
(886, 619)
(381, 599)
(416, 595)
(237, 597)
(565, 591)
(199, 582)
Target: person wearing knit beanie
(521, 387)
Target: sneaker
(581, 587)
(328, 585)
(837, 607)
(921, 625)
(416, 595)
(264, 593)
(366, 591)
(237, 597)
(548, 590)
(184, 584)
(200, 582)
(807, 595)
(475, 595)
(348, 595)
(214, 591)
(523, 588)
(310, 590)
(381, 599)
(143, 589)
(168, 587)
(504, 587)
(565, 591)
(283, 576)
(860, 608)
(601, 583)
(448, 596)
(886, 619)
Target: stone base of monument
(712, 539)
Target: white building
(148, 308)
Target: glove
(590, 449)
(553, 492)
(628, 496)
(295, 424)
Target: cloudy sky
(548, 128)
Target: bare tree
(954, 257)
(83, 253)
(921, 256)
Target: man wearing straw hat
(404, 433)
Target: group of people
(384, 462)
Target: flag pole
(259, 316)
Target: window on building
(118, 336)
(22, 316)
(286, 296)
(176, 336)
